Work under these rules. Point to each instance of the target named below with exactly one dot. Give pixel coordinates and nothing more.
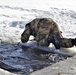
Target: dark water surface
(24, 61)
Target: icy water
(24, 61)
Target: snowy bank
(4, 72)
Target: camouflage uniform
(45, 31)
(67, 42)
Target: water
(24, 61)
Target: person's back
(44, 26)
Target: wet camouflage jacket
(45, 31)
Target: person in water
(46, 31)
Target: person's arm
(26, 34)
(67, 42)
